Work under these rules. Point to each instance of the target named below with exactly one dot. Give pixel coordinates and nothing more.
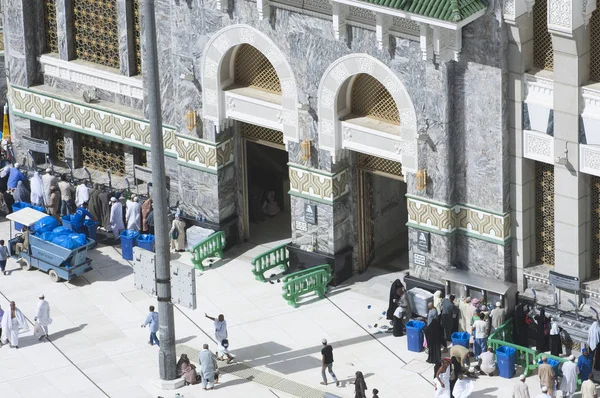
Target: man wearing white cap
(521, 390)
(570, 371)
(43, 315)
(48, 181)
(116, 217)
(498, 316)
(134, 214)
(327, 363)
(15, 176)
(544, 393)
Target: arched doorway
(265, 175)
(365, 110)
(381, 190)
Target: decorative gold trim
(118, 128)
(318, 185)
(459, 218)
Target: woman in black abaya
(542, 332)
(435, 340)
(394, 296)
(520, 327)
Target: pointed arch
(335, 135)
(215, 62)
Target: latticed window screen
(138, 37)
(50, 26)
(371, 99)
(102, 155)
(262, 133)
(595, 46)
(544, 213)
(57, 145)
(96, 31)
(595, 227)
(543, 55)
(253, 69)
(374, 163)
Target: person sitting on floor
(487, 365)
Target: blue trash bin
(90, 229)
(146, 242)
(506, 357)
(66, 222)
(554, 363)
(461, 338)
(414, 335)
(127, 242)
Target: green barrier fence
(299, 283)
(210, 247)
(277, 257)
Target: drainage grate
(244, 371)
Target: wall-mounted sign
(419, 259)
(301, 226)
(423, 241)
(564, 281)
(35, 145)
(310, 214)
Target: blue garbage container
(506, 357)
(554, 363)
(461, 338)
(66, 222)
(414, 335)
(127, 242)
(146, 242)
(90, 229)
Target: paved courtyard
(98, 349)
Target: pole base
(169, 384)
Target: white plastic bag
(38, 331)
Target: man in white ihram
(568, 384)
(13, 322)
(42, 316)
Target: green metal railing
(210, 247)
(502, 336)
(277, 257)
(299, 283)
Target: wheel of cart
(59, 262)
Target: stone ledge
(169, 384)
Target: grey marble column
(73, 148)
(126, 37)
(64, 27)
(19, 127)
(23, 43)
(129, 162)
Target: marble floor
(97, 348)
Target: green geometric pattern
(443, 219)
(445, 10)
(117, 127)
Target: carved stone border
(120, 128)
(443, 219)
(538, 146)
(318, 185)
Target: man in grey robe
(208, 364)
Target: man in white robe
(134, 214)
(43, 315)
(13, 323)
(82, 194)
(570, 371)
(116, 217)
(48, 181)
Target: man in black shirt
(327, 363)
